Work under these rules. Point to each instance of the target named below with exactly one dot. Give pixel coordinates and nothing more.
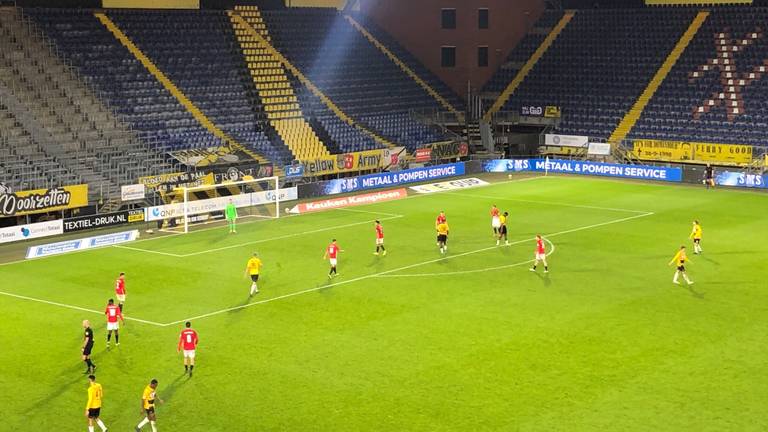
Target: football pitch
(414, 340)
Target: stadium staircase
(55, 130)
(629, 120)
(344, 65)
(408, 71)
(173, 89)
(274, 53)
(274, 88)
(529, 64)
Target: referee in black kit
(87, 347)
(709, 176)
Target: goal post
(204, 204)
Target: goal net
(200, 205)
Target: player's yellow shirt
(696, 234)
(680, 258)
(503, 219)
(148, 397)
(442, 229)
(254, 265)
(94, 396)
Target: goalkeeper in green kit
(231, 215)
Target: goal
(205, 204)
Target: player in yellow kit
(696, 236)
(252, 269)
(93, 406)
(503, 229)
(680, 259)
(442, 236)
(148, 399)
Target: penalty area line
(68, 306)
(148, 251)
(553, 203)
(395, 270)
(459, 272)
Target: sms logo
(25, 231)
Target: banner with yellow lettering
(346, 162)
(730, 153)
(662, 150)
(168, 182)
(680, 151)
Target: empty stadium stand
(55, 130)
(717, 90)
(600, 64)
(523, 51)
(122, 79)
(271, 81)
(198, 53)
(310, 97)
(352, 72)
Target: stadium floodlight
(255, 198)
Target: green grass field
(416, 341)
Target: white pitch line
(452, 273)
(287, 236)
(177, 233)
(555, 203)
(148, 251)
(309, 290)
(367, 212)
(64, 305)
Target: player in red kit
(380, 239)
(541, 254)
(495, 220)
(113, 313)
(120, 290)
(440, 220)
(188, 340)
(331, 253)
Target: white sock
(677, 274)
(143, 423)
(154, 427)
(685, 276)
(101, 424)
(90, 428)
